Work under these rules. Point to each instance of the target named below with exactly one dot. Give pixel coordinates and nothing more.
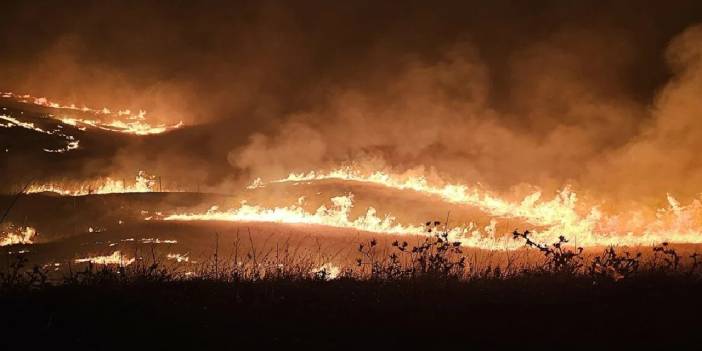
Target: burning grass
(121, 121)
(21, 235)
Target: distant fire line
(123, 121)
(71, 142)
(143, 183)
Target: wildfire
(143, 184)
(135, 124)
(71, 142)
(561, 215)
(20, 236)
(338, 215)
(559, 211)
(555, 217)
(335, 216)
(122, 121)
(681, 224)
(115, 258)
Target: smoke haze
(506, 94)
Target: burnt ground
(541, 311)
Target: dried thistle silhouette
(559, 259)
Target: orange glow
(338, 216)
(115, 258)
(143, 184)
(133, 125)
(586, 226)
(19, 236)
(11, 122)
(178, 257)
(122, 121)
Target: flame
(158, 241)
(134, 125)
(21, 236)
(338, 215)
(538, 214)
(328, 270)
(115, 258)
(178, 257)
(71, 142)
(143, 184)
(559, 216)
(123, 121)
(255, 184)
(335, 216)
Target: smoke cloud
(504, 94)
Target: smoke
(664, 156)
(569, 117)
(503, 94)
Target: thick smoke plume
(504, 94)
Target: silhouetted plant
(696, 262)
(16, 278)
(436, 256)
(614, 266)
(670, 257)
(559, 259)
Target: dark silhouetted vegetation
(428, 293)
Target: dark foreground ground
(542, 311)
